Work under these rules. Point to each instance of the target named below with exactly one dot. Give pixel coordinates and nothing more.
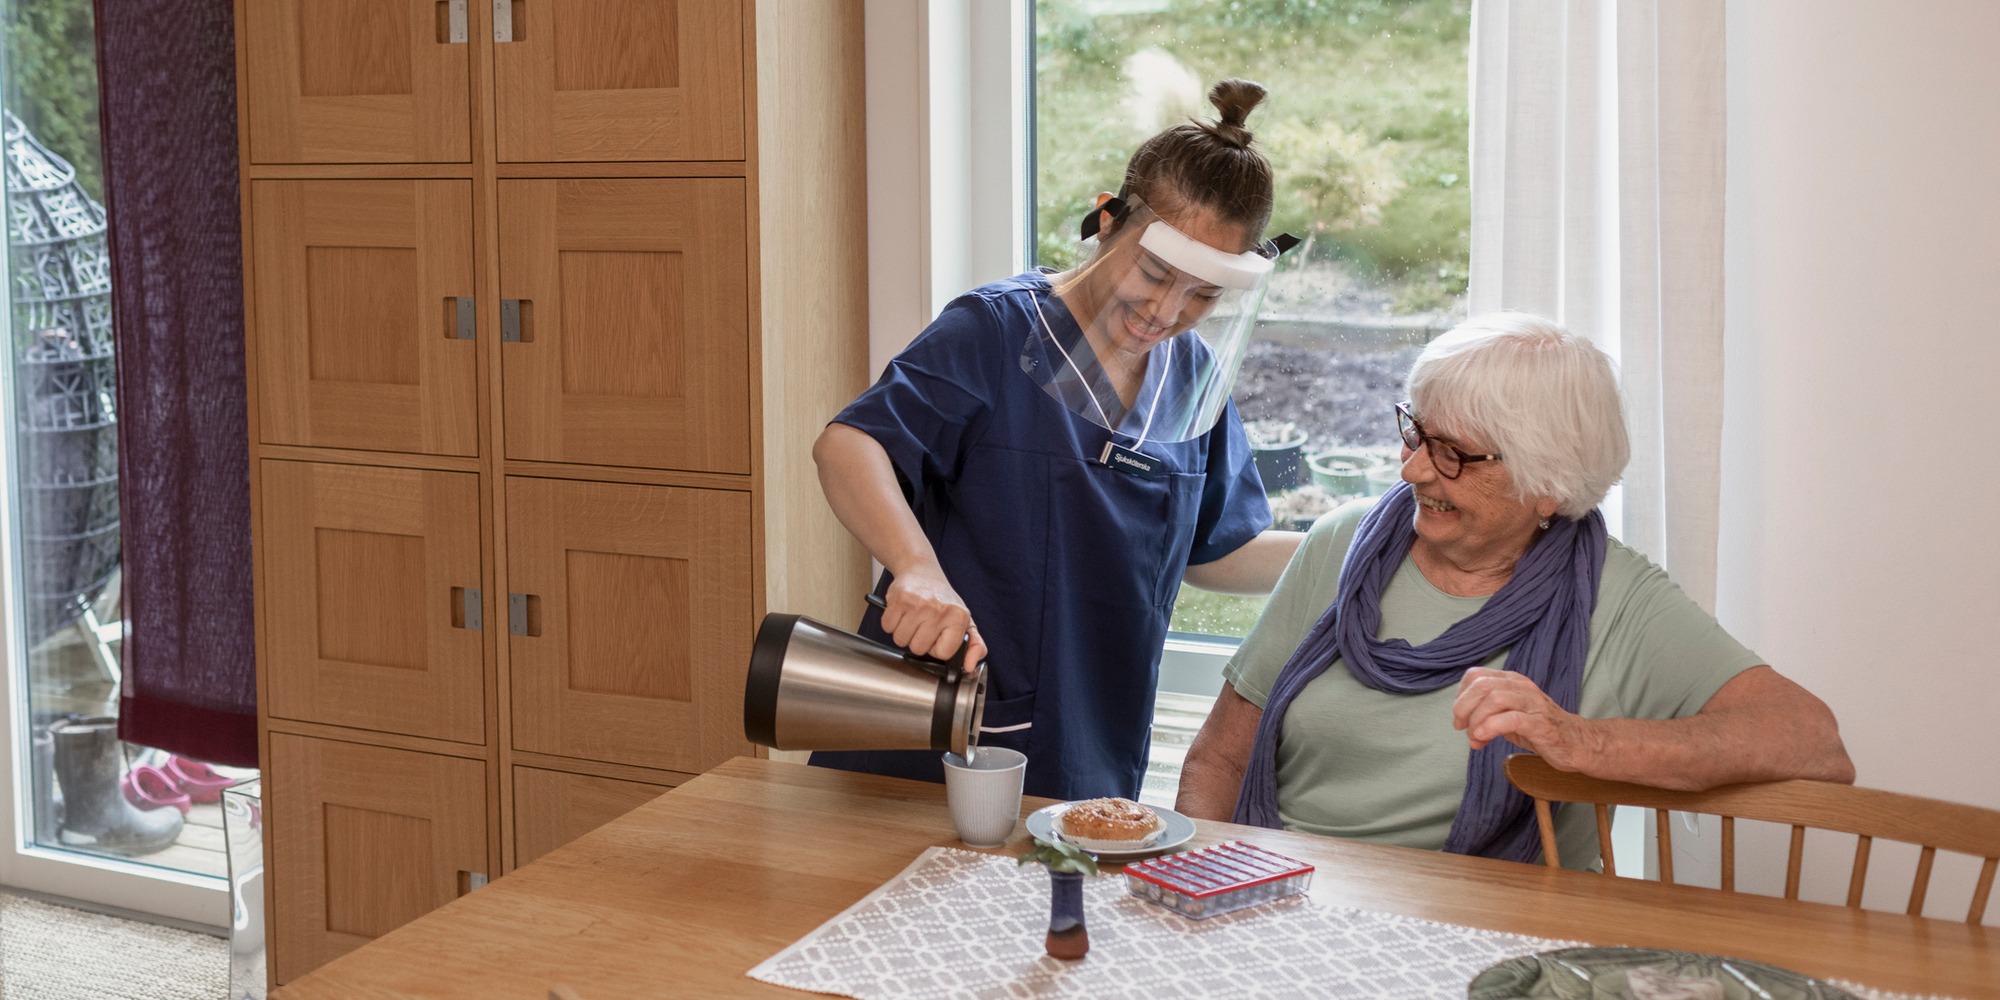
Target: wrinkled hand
(1496, 703)
(928, 618)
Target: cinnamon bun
(1110, 824)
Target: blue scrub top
(1070, 568)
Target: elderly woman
(1482, 595)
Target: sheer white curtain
(1597, 177)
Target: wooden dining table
(684, 894)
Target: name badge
(1130, 461)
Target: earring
(1545, 524)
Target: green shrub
(1365, 123)
(51, 81)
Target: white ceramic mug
(985, 796)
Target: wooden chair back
(1868, 813)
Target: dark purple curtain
(167, 79)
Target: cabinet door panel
(363, 840)
(360, 570)
(355, 322)
(621, 80)
(635, 336)
(641, 598)
(552, 808)
(355, 81)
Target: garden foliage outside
(1365, 122)
(51, 84)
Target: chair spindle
(1798, 857)
(1604, 838)
(1922, 887)
(1860, 875)
(1663, 821)
(1979, 892)
(1548, 827)
(1728, 854)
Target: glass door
(91, 817)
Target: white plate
(1176, 830)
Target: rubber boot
(95, 814)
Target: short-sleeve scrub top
(1070, 567)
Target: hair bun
(1235, 99)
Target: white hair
(1540, 396)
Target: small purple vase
(1068, 940)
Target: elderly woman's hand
(1495, 703)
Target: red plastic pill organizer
(1216, 880)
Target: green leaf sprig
(1061, 857)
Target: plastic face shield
(1146, 338)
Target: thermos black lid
(767, 665)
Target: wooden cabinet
(545, 312)
(634, 647)
(355, 81)
(634, 304)
(361, 840)
(552, 808)
(360, 290)
(368, 572)
(621, 80)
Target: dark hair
(1212, 164)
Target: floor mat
(50, 952)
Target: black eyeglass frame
(1407, 425)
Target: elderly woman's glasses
(1445, 458)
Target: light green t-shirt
(1389, 768)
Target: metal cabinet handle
(503, 21)
(452, 22)
(517, 321)
(524, 614)
(467, 609)
(463, 321)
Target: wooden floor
(200, 848)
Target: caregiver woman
(1482, 596)
(1042, 467)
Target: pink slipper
(197, 779)
(148, 787)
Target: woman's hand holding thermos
(924, 615)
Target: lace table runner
(961, 924)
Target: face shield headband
(1240, 271)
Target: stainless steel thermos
(816, 687)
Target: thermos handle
(946, 669)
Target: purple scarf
(1542, 615)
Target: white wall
(1860, 546)
(946, 131)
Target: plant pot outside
(1382, 478)
(1343, 473)
(1280, 465)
